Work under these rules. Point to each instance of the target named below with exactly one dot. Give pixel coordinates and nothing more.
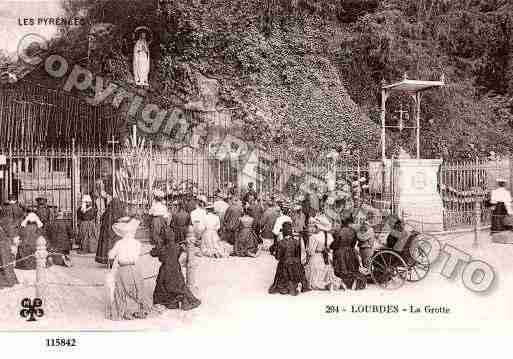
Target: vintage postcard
(222, 166)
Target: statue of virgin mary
(141, 58)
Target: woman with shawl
(346, 263)
(115, 210)
(291, 256)
(170, 288)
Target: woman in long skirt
(211, 244)
(290, 272)
(319, 271)
(246, 241)
(87, 229)
(170, 288)
(115, 210)
(128, 299)
(346, 263)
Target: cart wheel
(419, 266)
(388, 269)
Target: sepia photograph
(245, 166)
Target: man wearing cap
(500, 198)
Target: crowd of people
(321, 240)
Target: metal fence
(64, 176)
(464, 187)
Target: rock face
(280, 75)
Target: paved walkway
(234, 296)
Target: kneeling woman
(246, 241)
(211, 244)
(290, 253)
(128, 281)
(346, 262)
(170, 289)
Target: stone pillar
(416, 193)
(41, 256)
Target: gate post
(73, 186)
(41, 256)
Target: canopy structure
(414, 88)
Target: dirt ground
(234, 297)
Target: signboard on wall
(3, 160)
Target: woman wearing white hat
(126, 299)
(87, 228)
(500, 199)
(319, 270)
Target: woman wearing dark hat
(290, 253)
